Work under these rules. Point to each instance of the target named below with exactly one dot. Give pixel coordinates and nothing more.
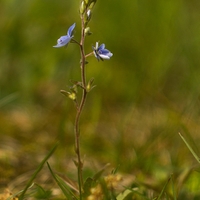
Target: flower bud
(87, 31)
(86, 2)
(72, 96)
(82, 7)
(92, 4)
(89, 14)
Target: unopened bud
(89, 14)
(87, 31)
(86, 2)
(72, 95)
(82, 7)
(92, 5)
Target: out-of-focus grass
(145, 95)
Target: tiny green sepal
(77, 84)
(74, 89)
(65, 93)
(90, 85)
(71, 95)
(76, 163)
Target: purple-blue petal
(101, 53)
(62, 41)
(104, 51)
(70, 30)
(102, 46)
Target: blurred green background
(146, 94)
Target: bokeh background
(144, 96)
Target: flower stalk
(80, 109)
(100, 53)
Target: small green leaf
(124, 194)
(163, 190)
(87, 186)
(114, 171)
(77, 83)
(75, 162)
(90, 85)
(41, 193)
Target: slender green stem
(74, 41)
(89, 54)
(80, 109)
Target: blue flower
(101, 53)
(64, 40)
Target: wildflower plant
(85, 11)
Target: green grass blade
(41, 193)
(37, 171)
(190, 148)
(18, 193)
(173, 188)
(163, 190)
(63, 186)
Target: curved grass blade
(173, 187)
(163, 190)
(13, 196)
(37, 171)
(63, 186)
(41, 193)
